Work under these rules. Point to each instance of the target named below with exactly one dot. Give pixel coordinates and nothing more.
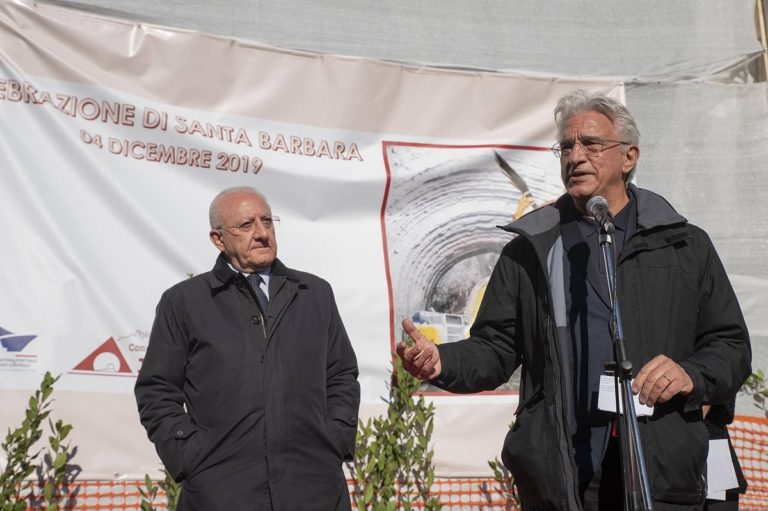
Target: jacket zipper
(565, 457)
(554, 356)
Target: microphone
(597, 206)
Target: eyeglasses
(268, 222)
(590, 146)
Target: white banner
(389, 181)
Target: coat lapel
(282, 290)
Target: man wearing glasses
(249, 385)
(547, 309)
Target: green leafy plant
(55, 476)
(149, 493)
(503, 488)
(172, 490)
(393, 467)
(755, 386)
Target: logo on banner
(12, 355)
(115, 357)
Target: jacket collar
(222, 275)
(653, 211)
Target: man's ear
(630, 159)
(215, 236)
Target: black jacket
(675, 299)
(245, 411)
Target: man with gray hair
(249, 385)
(547, 309)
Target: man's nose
(259, 230)
(577, 152)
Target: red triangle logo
(107, 358)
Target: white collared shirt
(264, 284)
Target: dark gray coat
(675, 299)
(251, 414)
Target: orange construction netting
(748, 434)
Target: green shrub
(755, 387)
(393, 467)
(149, 492)
(503, 486)
(54, 487)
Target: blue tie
(254, 279)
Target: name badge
(606, 399)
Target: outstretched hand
(421, 359)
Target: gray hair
(579, 101)
(213, 210)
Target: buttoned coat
(251, 412)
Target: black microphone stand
(637, 493)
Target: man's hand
(421, 359)
(660, 380)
